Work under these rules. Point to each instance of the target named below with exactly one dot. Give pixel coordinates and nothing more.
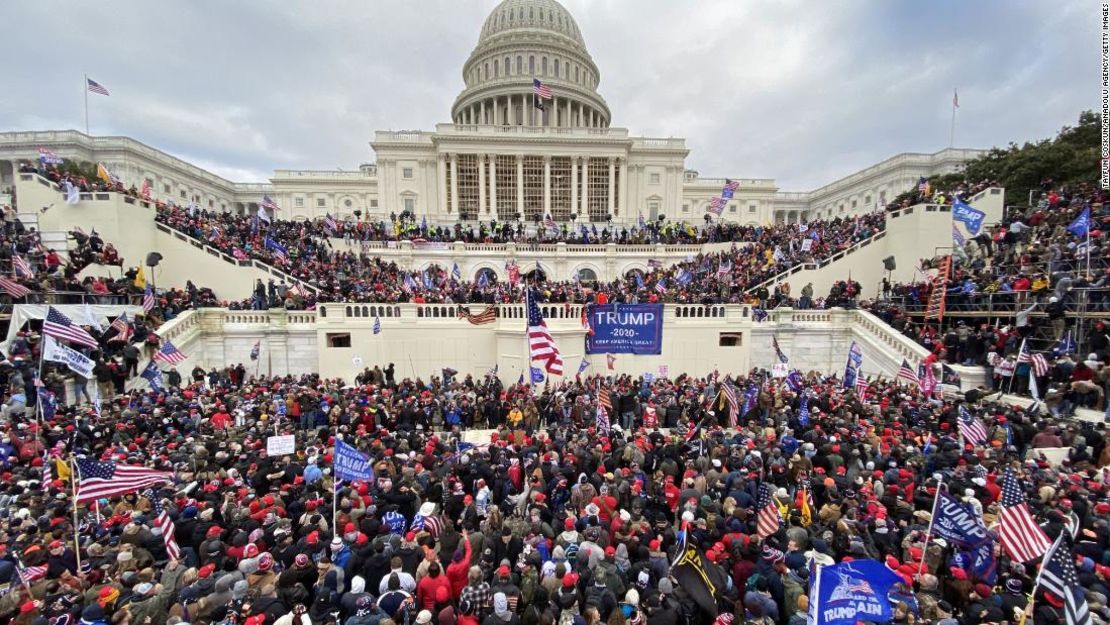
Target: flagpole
(335, 504)
(1014, 374)
(74, 475)
(86, 91)
(928, 532)
(1040, 573)
(952, 128)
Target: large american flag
(165, 523)
(604, 397)
(768, 520)
(269, 204)
(1022, 538)
(13, 288)
(541, 346)
(96, 87)
(733, 404)
(971, 428)
(906, 372)
(1058, 576)
(21, 267)
(330, 223)
(123, 329)
(1036, 361)
(107, 479)
(60, 327)
(29, 574)
(488, 315)
(541, 89)
(148, 300)
(169, 354)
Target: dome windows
(556, 68)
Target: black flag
(699, 577)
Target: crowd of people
(1017, 283)
(551, 519)
(304, 250)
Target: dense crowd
(307, 253)
(550, 520)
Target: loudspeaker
(152, 259)
(888, 263)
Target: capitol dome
(522, 41)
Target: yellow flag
(102, 173)
(140, 278)
(61, 469)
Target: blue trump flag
(957, 523)
(1081, 227)
(969, 216)
(537, 375)
(352, 464)
(153, 375)
(852, 591)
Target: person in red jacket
(460, 565)
(427, 588)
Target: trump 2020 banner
(852, 591)
(625, 329)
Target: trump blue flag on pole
(351, 464)
(969, 216)
(958, 523)
(1081, 227)
(853, 591)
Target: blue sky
(800, 91)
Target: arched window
(543, 66)
(496, 69)
(508, 66)
(490, 276)
(532, 65)
(487, 71)
(585, 274)
(519, 65)
(575, 73)
(556, 68)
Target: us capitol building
(501, 157)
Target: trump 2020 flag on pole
(351, 464)
(853, 591)
(153, 375)
(1082, 224)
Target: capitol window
(519, 64)
(531, 65)
(321, 202)
(406, 173)
(347, 202)
(732, 208)
(686, 208)
(410, 205)
(654, 179)
(183, 195)
(298, 202)
(751, 208)
(165, 188)
(373, 203)
(556, 67)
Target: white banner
(77, 362)
(281, 445)
(779, 370)
(807, 245)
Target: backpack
(753, 580)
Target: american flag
(955, 98)
(733, 403)
(906, 372)
(148, 299)
(1037, 361)
(778, 351)
(971, 428)
(768, 520)
(928, 382)
(431, 524)
(922, 184)
(145, 191)
(602, 421)
(489, 315)
(269, 204)
(586, 320)
(21, 267)
(661, 286)
(29, 574)
(122, 327)
(60, 327)
(731, 185)
(377, 325)
(604, 397)
(330, 223)
(549, 223)
(1058, 576)
(48, 157)
(298, 286)
(169, 354)
(13, 288)
(165, 523)
(541, 89)
(541, 345)
(861, 386)
(256, 350)
(107, 479)
(610, 360)
(724, 268)
(1022, 538)
(96, 87)
(717, 205)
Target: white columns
(567, 118)
(453, 204)
(546, 184)
(493, 184)
(482, 112)
(612, 168)
(481, 184)
(520, 186)
(622, 189)
(574, 184)
(586, 186)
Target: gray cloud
(800, 91)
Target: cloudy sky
(797, 90)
